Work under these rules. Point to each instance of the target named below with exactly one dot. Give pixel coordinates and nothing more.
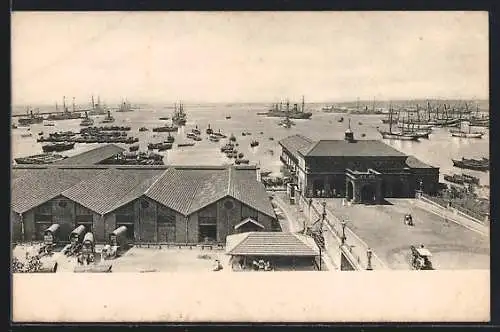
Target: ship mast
(74, 107)
(303, 105)
(64, 104)
(373, 106)
(390, 118)
(93, 103)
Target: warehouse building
(176, 204)
(363, 171)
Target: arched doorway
(368, 194)
(350, 191)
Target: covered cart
(88, 247)
(118, 243)
(420, 258)
(76, 235)
(50, 235)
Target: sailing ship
(108, 118)
(465, 131)
(179, 118)
(294, 113)
(125, 107)
(86, 121)
(403, 136)
(473, 164)
(32, 118)
(479, 120)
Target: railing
(353, 245)
(470, 214)
(159, 245)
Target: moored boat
(473, 164)
(58, 147)
(185, 144)
(44, 158)
(87, 121)
(165, 129)
(179, 118)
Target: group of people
(84, 259)
(261, 265)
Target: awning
(248, 220)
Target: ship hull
(476, 166)
(401, 137)
(291, 115)
(467, 135)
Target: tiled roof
(295, 143)
(246, 189)
(360, 148)
(413, 162)
(33, 188)
(103, 189)
(110, 188)
(92, 157)
(270, 244)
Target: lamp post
(369, 254)
(343, 224)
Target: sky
(248, 56)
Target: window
(248, 212)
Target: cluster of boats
(482, 164)
(58, 146)
(135, 158)
(162, 146)
(231, 152)
(92, 135)
(43, 158)
(462, 179)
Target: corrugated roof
(270, 244)
(360, 148)
(36, 187)
(109, 188)
(92, 157)
(413, 162)
(295, 143)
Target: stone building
(176, 204)
(360, 170)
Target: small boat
(241, 161)
(240, 155)
(341, 119)
(214, 138)
(44, 158)
(363, 135)
(271, 138)
(49, 124)
(165, 129)
(219, 134)
(86, 121)
(14, 126)
(185, 144)
(197, 138)
(232, 138)
(164, 118)
(254, 143)
(108, 118)
(209, 130)
(133, 148)
(58, 147)
(473, 164)
(466, 135)
(164, 146)
(398, 136)
(170, 138)
(462, 179)
(191, 135)
(360, 123)
(228, 117)
(143, 129)
(26, 135)
(196, 131)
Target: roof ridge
(155, 181)
(229, 182)
(139, 183)
(195, 192)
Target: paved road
(382, 228)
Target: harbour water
(437, 151)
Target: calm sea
(438, 150)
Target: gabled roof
(249, 220)
(103, 189)
(270, 244)
(110, 188)
(30, 189)
(295, 143)
(359, 148)
(413, 162)
(92, 157)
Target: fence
(353, 245)
(441, 203)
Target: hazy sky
(231, 57)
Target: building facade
(359, 170)
(169, 204)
